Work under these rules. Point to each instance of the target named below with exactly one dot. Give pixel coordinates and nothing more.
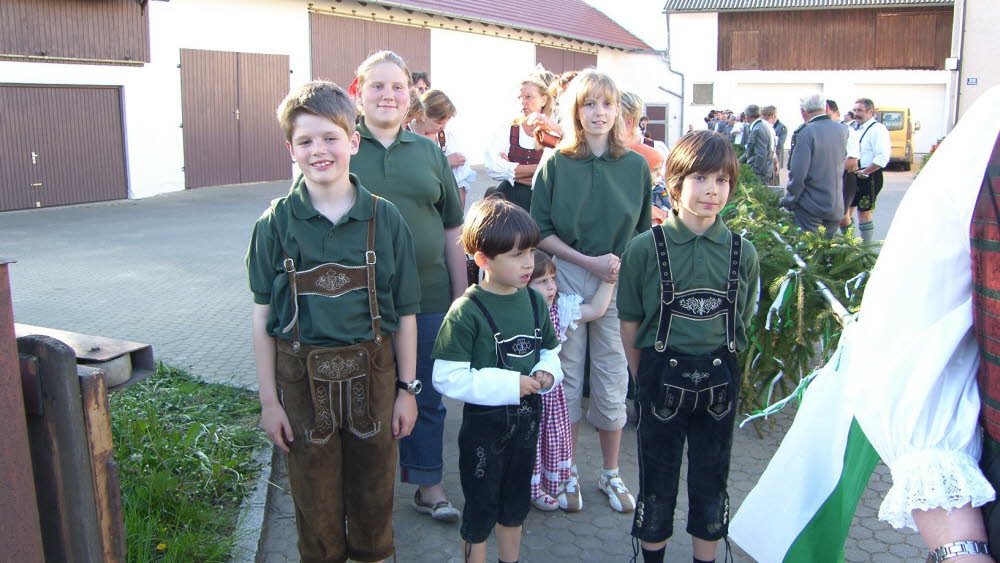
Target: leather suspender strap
(370, 260)
(498, 337)
(663, 263)
(489, 318)
(293, 291)
(732, 289)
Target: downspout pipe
(665, 55)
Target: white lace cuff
(569, 313)
(933, 478)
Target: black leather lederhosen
(497, 444)
(687, 397)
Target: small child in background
(555, 439)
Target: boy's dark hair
(323, 99)
(543, 264)
(494, 226)
(420, 75)
(700, 151)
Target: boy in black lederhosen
(686, 293)
(497, 350)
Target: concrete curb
(250, 526)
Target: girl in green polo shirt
(590, 197)
(412, 172)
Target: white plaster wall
(646, 75)
(482, 77)
(151, 94)
(979, 52)
(694, 48)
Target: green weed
(185, 455)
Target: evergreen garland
(791, 335)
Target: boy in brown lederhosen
(327, 265)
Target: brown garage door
(60, 145)
(340, 44)
(561, 60)
(228, 100)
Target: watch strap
(957, 549)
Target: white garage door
(927, 104)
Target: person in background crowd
(736, 133)
(556, 89)
(437, 111)
(815, 193)
(412, 172)
(759, 153)
(421, 81)
(833, 110)
(874, 149)
(782, 132)
(515, 152)
(592, 195)
(850, 163)
(643, 121)
(769, 115)
(849, 120)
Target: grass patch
(185, 459)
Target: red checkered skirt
(555, 438)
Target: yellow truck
(901, 127)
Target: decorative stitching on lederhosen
(517, 153)
(518, 346)
(339, 378)
(699, 304)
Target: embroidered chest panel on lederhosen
(333, 280)
(517, 153)
(985, 244)
(699, 304)
(519, 346)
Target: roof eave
(592, 41)
(943, 3)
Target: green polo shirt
(696, 261)
(465, 335)
(292, 226)
(594, 204)
(414, 174)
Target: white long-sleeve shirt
(490, 386)
(497, 167)
(464, 174)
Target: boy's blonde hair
(437, 105)
(589, 83)
(383, 57)
(632, 107)
(320, 98)
(699, 152)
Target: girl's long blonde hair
(590, 83)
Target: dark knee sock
(696, 560)
(649, 556)
(502, 561)
(867, 231)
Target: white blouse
(499, 168)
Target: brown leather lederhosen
(339, 403)
(517, 192)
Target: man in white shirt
(874, 148)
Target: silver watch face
(416, 386)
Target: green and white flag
(902, 385)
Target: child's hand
(616, 264)
(544, 378)
(404, 415)
(529, 385)
(275, 423)
(601, 266)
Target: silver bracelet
(957, 549)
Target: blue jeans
(421, 458)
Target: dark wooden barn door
(60, 145)
(228, 102)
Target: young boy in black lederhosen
(687, 291)
(497, 350)
(331, 269)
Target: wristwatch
(413, 387)
(958, 548)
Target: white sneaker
(618, 496)
(569, 497)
